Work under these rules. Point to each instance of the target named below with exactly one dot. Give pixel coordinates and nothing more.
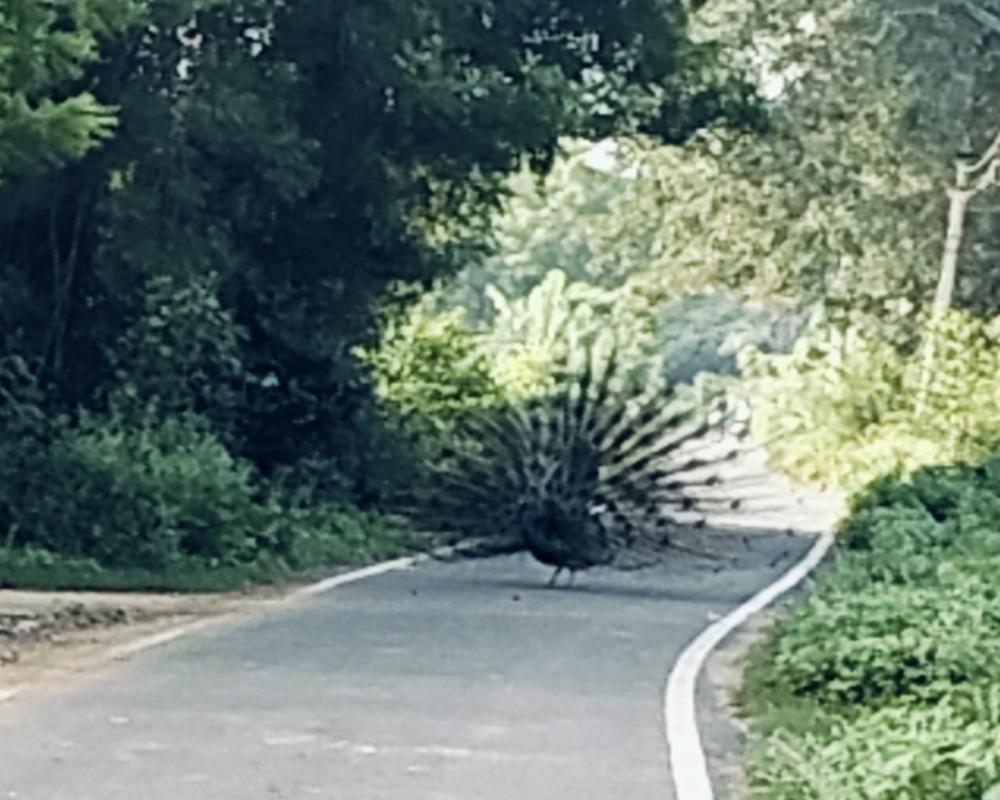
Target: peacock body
(600, 472)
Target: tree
(310, 153)
(44, 49)
(842, 199)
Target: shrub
(25, 435)
(182, 352)
(532, 338)
(911, 608)
(428, 367)
(322, 533)
(947, 752)
(898, 650)
(842, 409)
(140, 495)
(937, 509)
(851, 647)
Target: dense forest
(258, 260)
(202, 208)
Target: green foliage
(531, 337)
(321, 533)
(25, 434)
(183, 353)
(899, 643)
(142, 494)
(306, 537)
(842, 409)
(843, 198)
(546, 223)
(44, 48)
(233, 154)
(429, 367)
(948, 751)
(155, 498)
(897, 647)
(33, 568)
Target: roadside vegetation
(205, 213)
(884, 682)
(808, 266)
(235, 319)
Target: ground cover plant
(885, 681)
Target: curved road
(459, 681)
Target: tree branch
(982, 16)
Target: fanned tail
(595, 473)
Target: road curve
(460, 681)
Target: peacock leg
(552, 580)
(572, 578)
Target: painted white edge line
(155, 640)
(327, 584)
(9, 692)
(688, 765)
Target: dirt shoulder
(51, 636)
(727, 735)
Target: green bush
(843, 409)
(26, 432)
(898, 650)
(33, 568)
(533, 338)
(946, 752)
(137, 497)
(428, 367)
(140, 495)
(182, 353)
(912, 607)
(898, 525)
(322, 533)
(874, 647)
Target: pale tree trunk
(959, 202)
(959, 196)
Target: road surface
(448, 681)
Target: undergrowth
(845, 408)
(884, 683)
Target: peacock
(602, 471)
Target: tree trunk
(959, 196)
(64, 269)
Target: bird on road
(600, 472)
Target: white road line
(9, 692)
(687, 758)
(163, 637)
(156, 639)
(327, 584)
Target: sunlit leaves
(44, 47)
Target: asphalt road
(457, 681)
